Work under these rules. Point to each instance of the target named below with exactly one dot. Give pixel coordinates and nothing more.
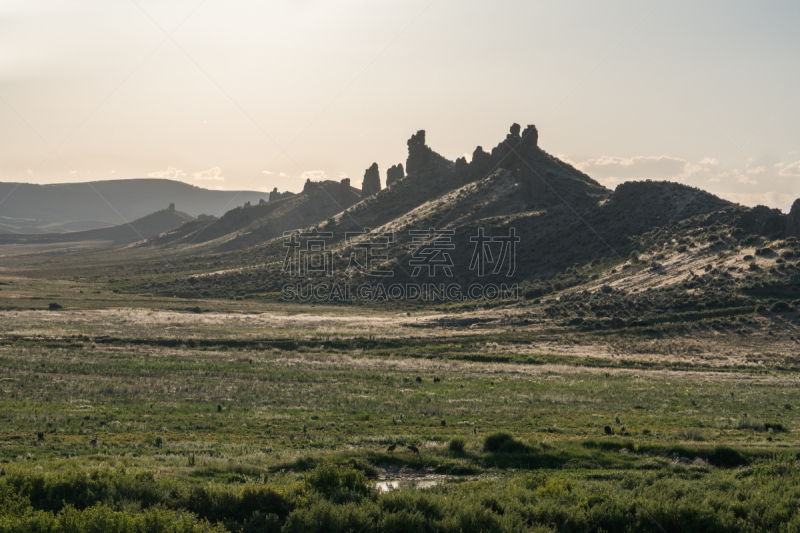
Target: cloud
(792, 170)
(314, 175)
(771, 199)
(282, 175)
(611, 171)
(212, 174)
(171, 172)
(267, 172)
(639, 167)
(342, 175)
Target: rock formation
(275, 195)
(480, 165)
(417, 152)
(462, 171)
(394, 173)
(793, 220)
(372, 181)
(344, 196)
(171, 207)
(508, 155)
(762, 220)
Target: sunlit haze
(256, 95)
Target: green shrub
(323, 516)
(457, 444)
(778, 307)
(504, 443)
(339, 484)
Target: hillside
(57, 208)
(252, 224)
(122, 234)
(561, 215)
(574, 235)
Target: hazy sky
(255, 94)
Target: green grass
(230, 426)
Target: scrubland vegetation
(207, 427)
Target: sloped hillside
(56, 208)
(137, 230)
(562, 217)
(253, 224)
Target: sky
(254, 95)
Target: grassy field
(134, 413)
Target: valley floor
(242, 415)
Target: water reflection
(409, 483)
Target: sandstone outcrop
(394, 173)
(793, 220)
(418, 152)
(372, 181)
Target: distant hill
(57, 208)
(137, 230)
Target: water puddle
(408, 483)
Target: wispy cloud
(212, 174)
(771, 198)
(611, 171)
(171, 172)
(314, 175)
(792, 170)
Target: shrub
(778, 307)
(723, 456)
(340, 484)
(457, 444)
(504, 443)
(322, 516)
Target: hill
(122, 234)
(568, 225)
(249, 225)
(574, 236)
(56, 208)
